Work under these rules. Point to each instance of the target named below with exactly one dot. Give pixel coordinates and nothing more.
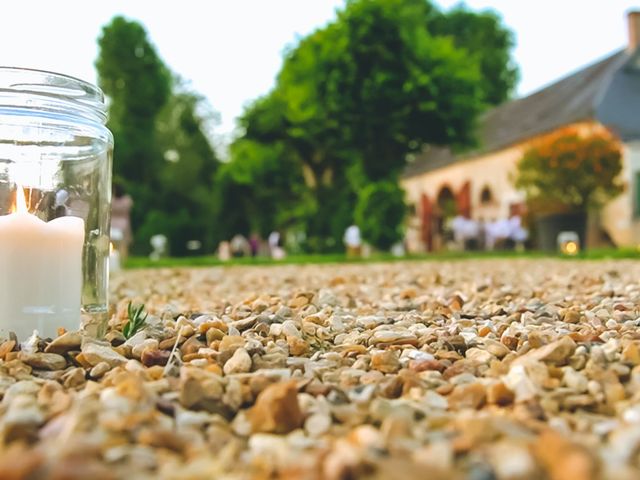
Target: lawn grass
(206, 261)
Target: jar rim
(58, 86)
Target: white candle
(40, 272)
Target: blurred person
(353, 241)
(465, 233)
(519, 235)
(121, 204)
(254, 244)
(224, 251)
(240, 246)
(276, 249)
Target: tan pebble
(169, 343)
(200, 389)
(240, 362)
(631, 354)
(155, 372)
(187, 331)
(214, 368)
(199, 362)
(570, 316)
(231, 342)
(11, 356)
(558, 352)
(123, 350)
(479, 356)
(297, 346)
(496, 348)
(614, 392)
(220, 325)
(191, 356)
(6, 347)
(82, 360)
(214, 334)
(74, 378)
(456, 303)
(99, 370)
(536, 339)
(276, 409)
(426, 365)
(499, 394)
(18, 461)
(484, 331)
(408, 293)
(372, 377)
(44, 361)
(563, 459)
(299, 301)
(95, 353)
(192, 345)
(510, 342)
(386, 361)
(317, 424)
(472, 395)
(64, 343)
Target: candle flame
(21, 202)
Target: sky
(231, 50)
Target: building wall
(617, 217)
(632, 158)
(495, 170)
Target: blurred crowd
(255, 246)
(501, 234)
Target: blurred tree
(355, 98)
(137, 84)
(376, 86)
(488, 42)
(380, 204)
(185, 177)
(162, 153)
(571, 170)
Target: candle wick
(21, 203)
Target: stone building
(478, 184)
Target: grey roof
(607, 91)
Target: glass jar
(55, 201)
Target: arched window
(486, 196)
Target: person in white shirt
(353, 241)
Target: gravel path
(488, 369)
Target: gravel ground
(478, 370)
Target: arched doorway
(446, 209)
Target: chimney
(634, 30)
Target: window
(486, 196)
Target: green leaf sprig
(137, 317)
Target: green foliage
(352, 100)
(138, 85)
(380, 214)
(571, 171)
(136, 319)
(162, 153)
(487, 42)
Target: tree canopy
(572, 169)
(355, 98)
(162, 153)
